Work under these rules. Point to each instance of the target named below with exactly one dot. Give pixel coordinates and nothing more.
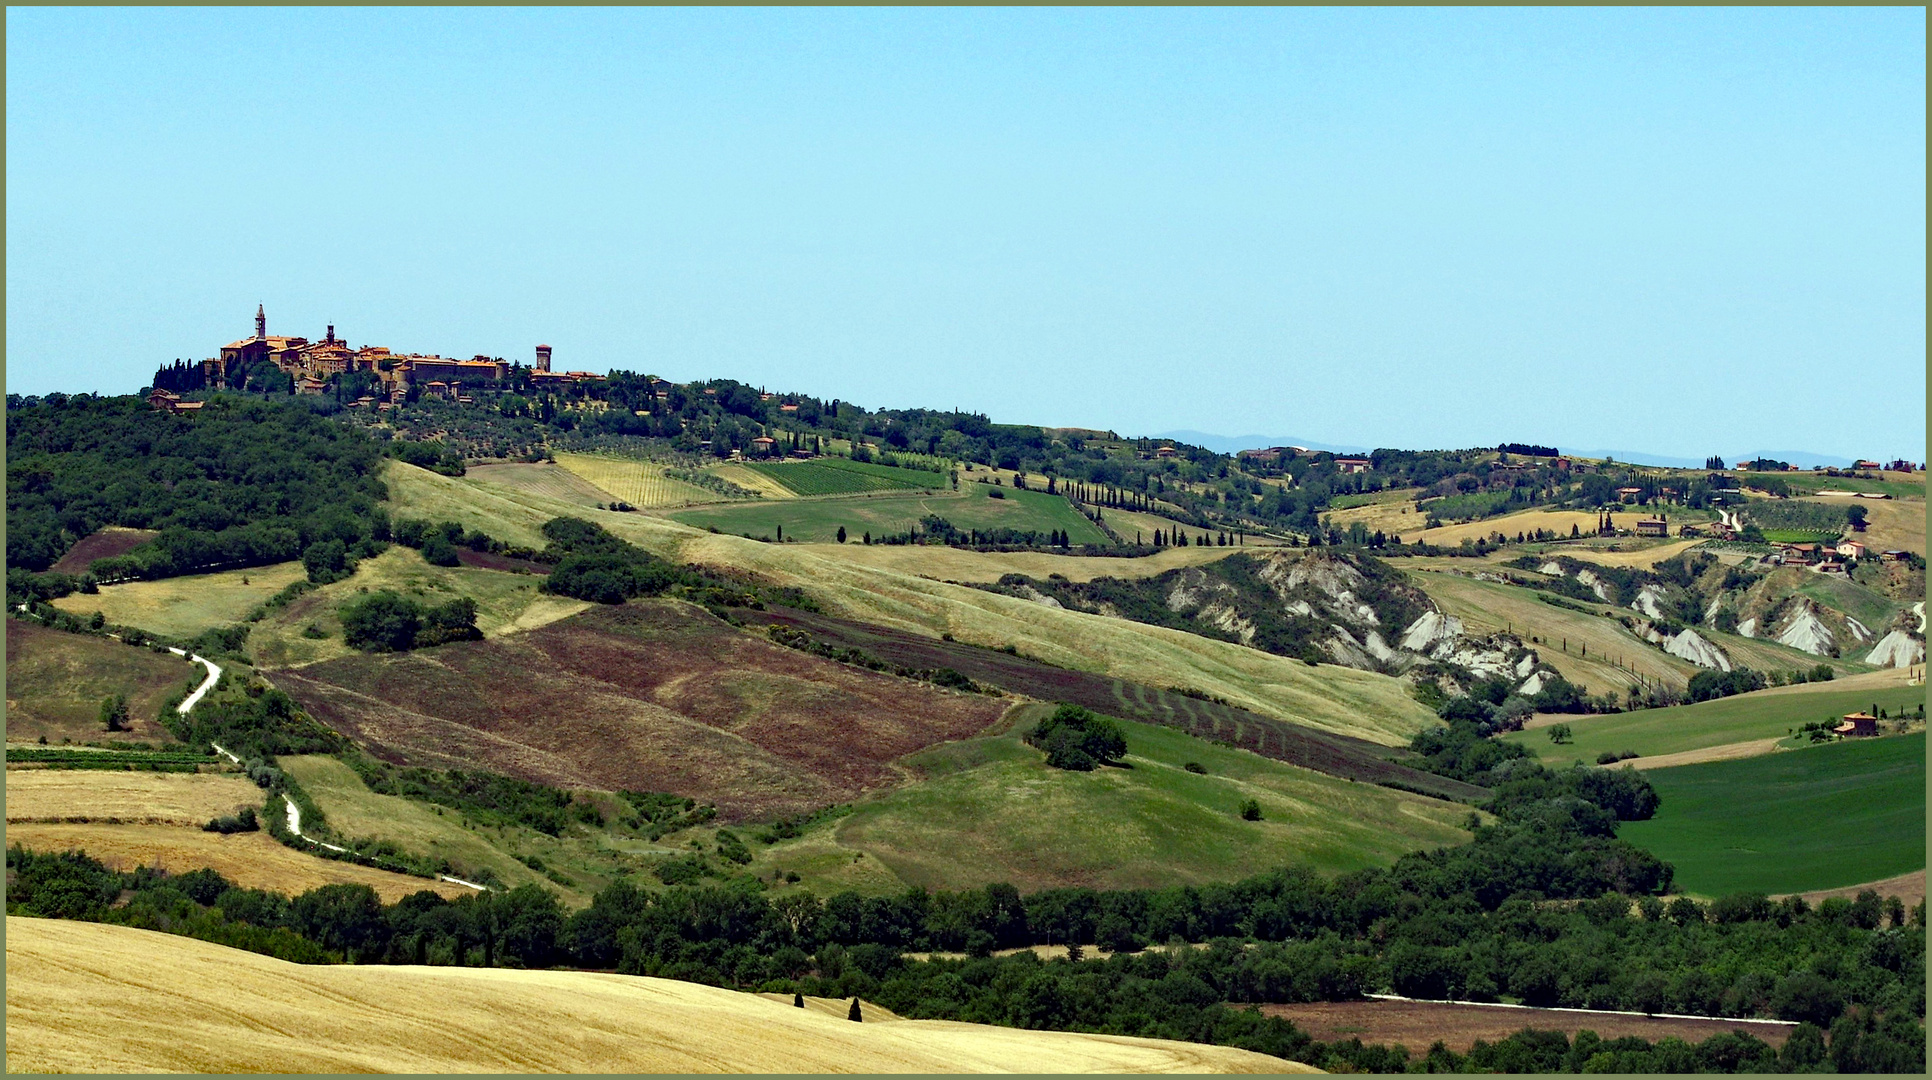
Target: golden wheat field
(149, 797)
(185, 606)
(86, 997)
(640, 483)
(252, 860)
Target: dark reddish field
(650, 695)
(104, 544)
(1310, 748)
(1418, 1024)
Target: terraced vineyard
(838, 476)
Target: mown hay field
(751, 479)
(989, 809)
(102, 544)
(818, 520)
(639, 483)
(654, 695)
(87, 997)
(56, 682)
(506, 603)
(1890, 524)
(959, 564)
(252, 860)
(150, 798)
(355, 812)
(1365, 704)
(1819, 818)
(1765, 714)
(185, 606)
(555, 481)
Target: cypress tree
(853, 1014)
(798, 999)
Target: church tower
(261, 322)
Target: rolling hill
(85, 997)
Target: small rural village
(947, 540)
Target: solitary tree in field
(841, 534)
(1251, 810)
(1560, 733)
(798, 1000)
(114, 713)
(853, 1013)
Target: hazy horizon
(1688, 231)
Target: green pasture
(1809, 483)
(1743, 718)
(1840, 594)
(1800, 536)
(838, 476)
(818, 520)
(989, 809)
(1822, 818)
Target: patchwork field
(1765, 714)
(989, 809)
(1897, 485)
(355, 812)
(252, 860)
(103, 544)
(883, 514)
(555, 481)
(86, 997)
(838, 476)
(1510, 524)
(649, 696)
(1819, 818)
(56, 682)
(185, 606)
(133, 798)
(506, 603)
(747, 477)
(1889, 523)
(640, 483)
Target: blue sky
(1681, 231)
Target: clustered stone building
(311, 363)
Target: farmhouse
(1629, 494)
(1351, 464)
(1857, 724)
(1851, 549)
(1653, 527)
(172, 403)
(1164, 452)
(1863, 464)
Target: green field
(56, 680)
(1839, 594)
(1744, 718)
(1799, 536)
(1821, 818)
(1807, 483)
(818, 520)
(989, 809)
(185, 606)
(838, 476)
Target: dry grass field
(150, 798)
(957, 564)
(1509, 525)
(104, 544)
(55, 683)
(185, 606)
(649, 696)
(1392, 511)
(539, 478)
(1889, 523)
(354, 811)
(84, 997)
(640, 483)
(252, 860)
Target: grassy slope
(838, 476)
(185, 606)
(1371, 706)
(83, 997)
(355, 812)
(958, 564)
(886, 513)
(505, 603)
(1890, 523)
(539, 478)
(989, 809)
(1743, 718)
(55, 683)
(1819, 818)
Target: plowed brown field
(652, 695)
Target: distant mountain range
(1228, 444)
